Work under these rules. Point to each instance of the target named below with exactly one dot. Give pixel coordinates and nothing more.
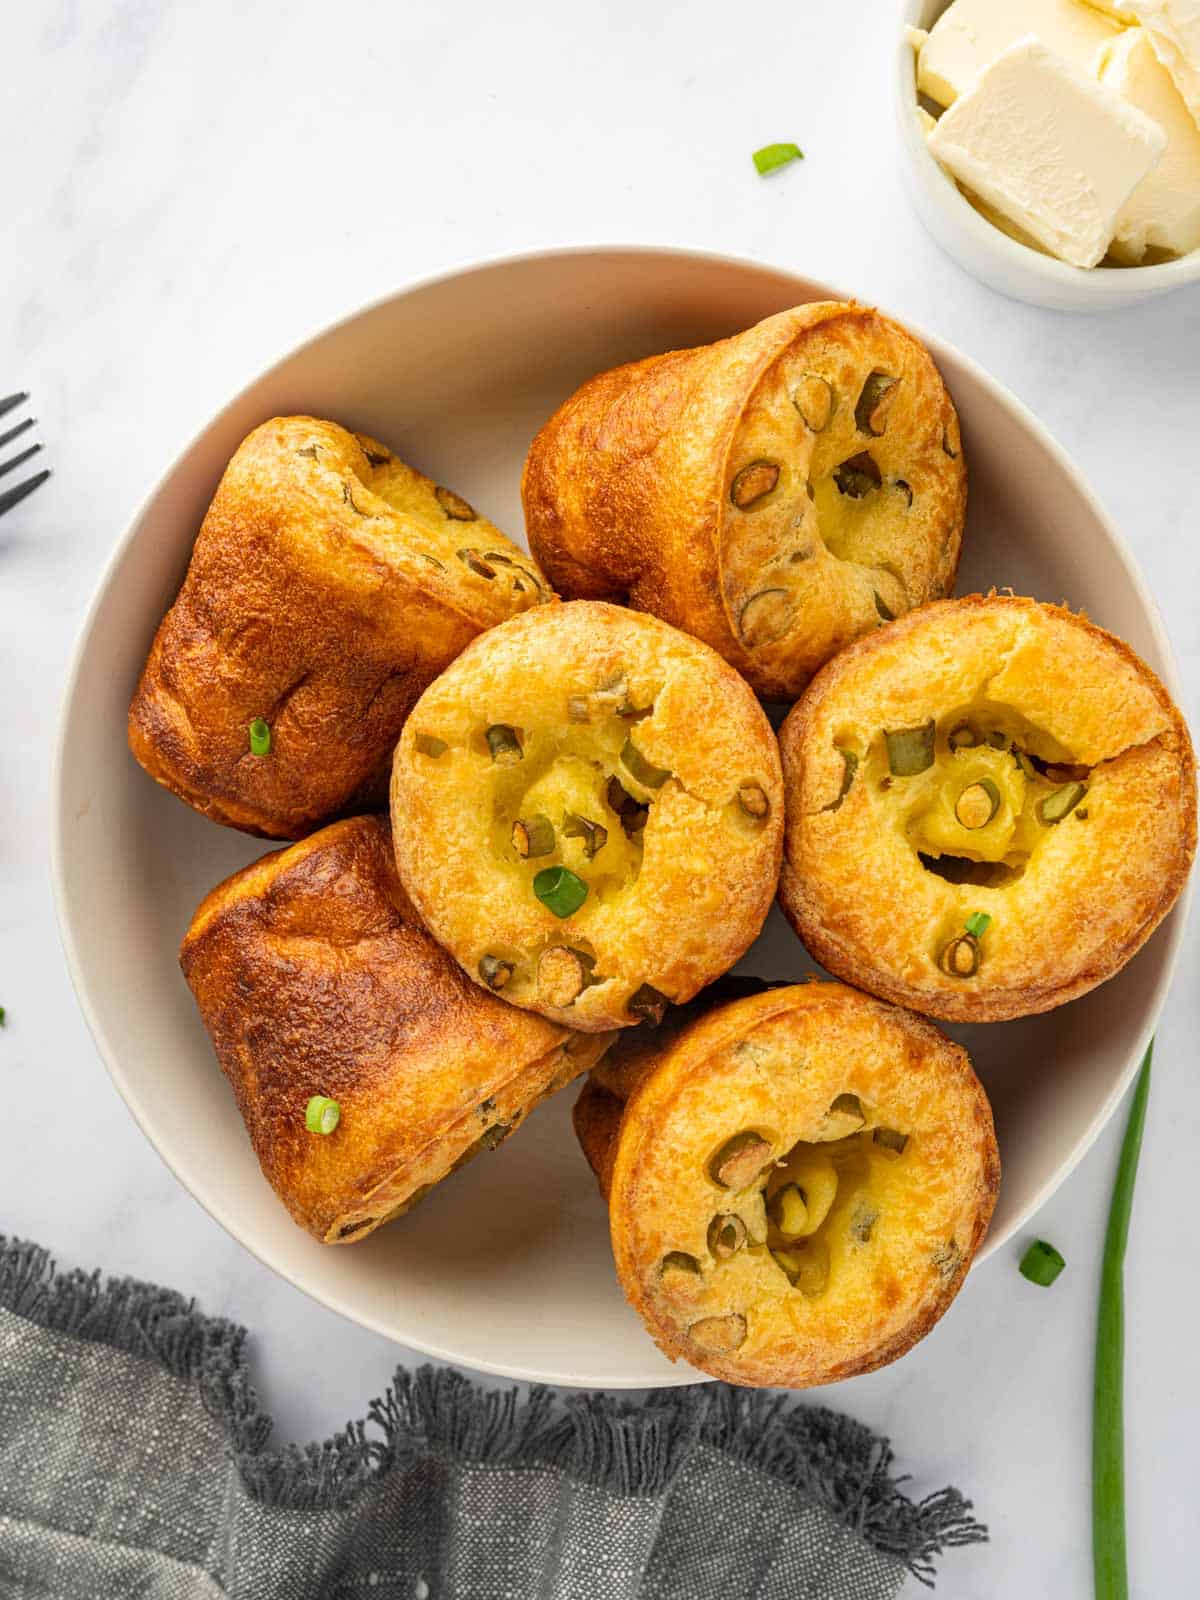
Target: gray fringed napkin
(134, 1461)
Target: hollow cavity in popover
(797, 1182)
(315, 979)
(587, 813)
(777, 494)
(328, 585)
(991, 805)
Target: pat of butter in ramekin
(970, 34)
(1163, 212)
(1174, 29)
(1055, 151)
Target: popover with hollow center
(316, 981)
(796, 1181)
(777, 494)
(587, 813)
(991, 805)
(328, 585)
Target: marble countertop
(192, 190)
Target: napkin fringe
(624, 1446)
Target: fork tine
(12, 401)
(14, 496)
(7, 466)
(15, 433)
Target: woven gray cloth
(134, 1462)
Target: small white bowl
(986, 252)
(506, 1267)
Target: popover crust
(314, 977)
(328, 585)
(1041, 825)
(777, 494)
(868, 1115)
(603, 749)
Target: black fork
(12, 497)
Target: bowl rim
(1105, 285)
(1172, 932)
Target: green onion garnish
(560, 890)
(773, 156)
(1041, 1263)
(321, 1114)
(1108, 1426)
(260, 737)
(978, 923)
(3, 1016)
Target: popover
(777, 494)
(328, 585)
(587, 813)
(365, 1066)
(796, 1181)
(991, 805)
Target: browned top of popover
(870, 1112)
(777, 493)
(328, 584)
(652, 773)
(880, 875)
(315, 977)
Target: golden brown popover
(797, 1181)
(586, 808)
(776, 494)
(991, 805)
(315, 979)
(328, 585)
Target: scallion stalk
(1108, 1422)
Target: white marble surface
(189, 191)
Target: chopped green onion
(1041, 1263)
(494, 972)
(648, 1003)
(1061, 803)
(849, 768)
(504, 743)
(646, 773)
(773, 156)
(961, 957)
(533, 836)
(978, 923)
(593, 834)
(1108, 1427)
(978, 804)
(560, 890)
(909, 750)
(3, 1017)
(322, 1115)
(260, 737)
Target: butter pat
(1163, 212)
(1055, 152)
(1174, 29)
(970, 34)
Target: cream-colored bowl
(506, 1267)
(981, 249)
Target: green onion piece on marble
(773, 156)
(260, 737)
(321, 1114)
(1041, 1263)
(560, 890)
